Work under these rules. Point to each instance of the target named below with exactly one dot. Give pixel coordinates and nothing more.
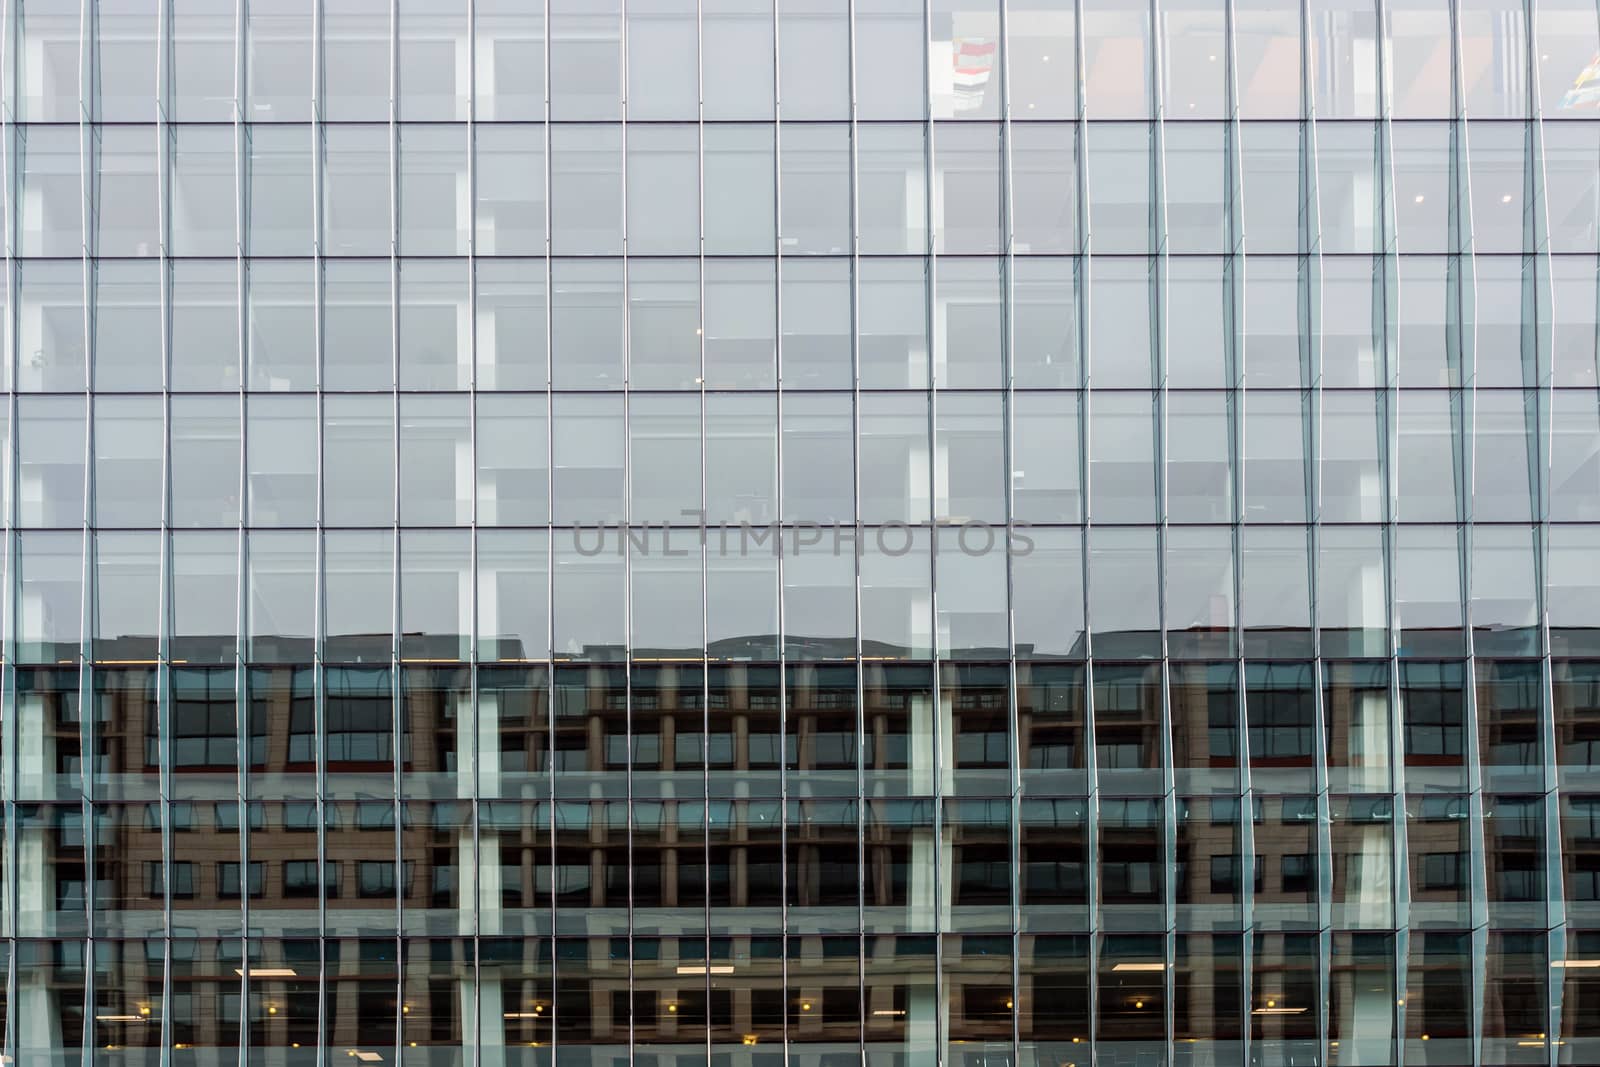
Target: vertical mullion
(1081, 278)
(319, 553)
(396, 560)
(855, 514)
(933, 383)
(1537, 306)
(1007, 444)
(165, 150)
(784, 874)
(472, 1027)
(548, 652)
(89, 196)
(241, 736)
(8, 479)
(624, 528)
(1156, 278)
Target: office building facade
(915, 533)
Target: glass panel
(204, 188)
(127, 313)
(1117, 50)
(204, 476)
(663, 185)
(205, 325)
(587, 324)
(435, 328)
(736, 61)
(281, 207)
(50, 327)
(281, 325)
(512, 594)
(357, 324)
(434, 195)
(358, 460)
(356, 209)
(126, 191)
(892, 323)
(513, 482)
(1120, 212)
(509, 41)
(814, 167)
(586, 189)
(664, 323)
(128, 434)
(431, 39)
(1120, 337)
(278, 61)
(435, 460)
(355, 60)
(201, 87)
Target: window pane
(203, 34)
(586, 189)
(587, 323)
(663, 189)
(510, 190)
(355, 191)
(128, 434)
(435, 458)
(205, 324)
(736, 58)
(205, 461)
(282, 434)
(512, 335)
(51, 435)
(204, 222)
(966, 188)
(358, 460)
(281, 203)
(126, 191)
(355, 60)
(357, 324)
(432, 41)
(513, 464)
(586, 59)
(278, 61)
(815, 165)
(663, 59)
(435, 328)
(433, 190)
(509, 40)
(282, 325)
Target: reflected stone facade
(828, 533)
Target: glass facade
(741, 532)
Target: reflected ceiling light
(1575, 963)
(896, 1012)
(118, 1019)
(1506, 199)
(695, 968)
(1279, 1011)
(368, 1057)
(1420, 198)
(265, 972)
(1124, 967)
(522, 1015)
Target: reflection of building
(887, 533)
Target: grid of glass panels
(889, 531)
